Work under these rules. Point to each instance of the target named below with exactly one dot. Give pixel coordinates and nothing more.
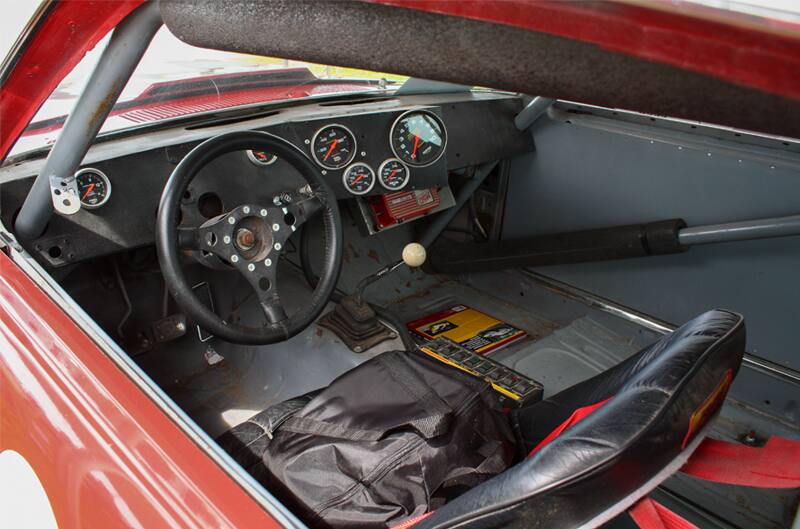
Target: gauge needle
(332, 147)
(88, 191)
(416, 144)
(357, 180)
(393, 173)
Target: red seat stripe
(649, 514)
(577, 416)
(776, 465)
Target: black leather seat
(595, 448)
(649, 414)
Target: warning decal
(467, 327)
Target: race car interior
(393, 307)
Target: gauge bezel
(105, 180)
(418, 111)
(380, 171)
(347, 162)
(347, 170)
(256, 161)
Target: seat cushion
(655, 406)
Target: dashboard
(379, 153)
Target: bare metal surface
(741, 231)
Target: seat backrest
(648, 414)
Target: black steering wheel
(249, 238)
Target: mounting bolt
(307, 141)
(234, 258)
(231, 220)
(276, 200)
(226, 239)
(278, 246)
(276, 227)
(358, 349)
(267, 262)
(263, 212)
(251, 267)
(246, 209)
(363, 153)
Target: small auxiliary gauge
(393, 174)
(333, 146)
(261, 157)
(93, 188)
(359, 178)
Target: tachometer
(261, 157)
(93, 188)
(333, 146)
(393, 174)
(418, 138)
(359, 178)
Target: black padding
(603, 244)
(618, 449)
(446, 48)
(662, 237)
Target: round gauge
(261, 157)
(418, 138)
(93, 188)
(333, 146)
(359, 178)
(393, 174)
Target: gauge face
(359, 178)
(333, 146)
(393, 174)
(418, 138)
(261, 157)
(93, 188)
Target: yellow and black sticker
(470, 328)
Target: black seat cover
(659, 399)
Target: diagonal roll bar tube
(115, 66)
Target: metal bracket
(64, 192)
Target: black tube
(619, 242)
(336, 296)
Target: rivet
(246, 209)
(263, 212)
(278, 246)
(251, 267)
(276, 227)
(267, 262)
(234, 258)
(231, 220)
(226, 239)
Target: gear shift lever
(354, 320)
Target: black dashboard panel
(478, 130)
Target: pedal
(169, 328)
(518, 388)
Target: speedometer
(333, 146)
(418, 138)
(359, 178)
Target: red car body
(105, 450)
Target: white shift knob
(414, 254)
